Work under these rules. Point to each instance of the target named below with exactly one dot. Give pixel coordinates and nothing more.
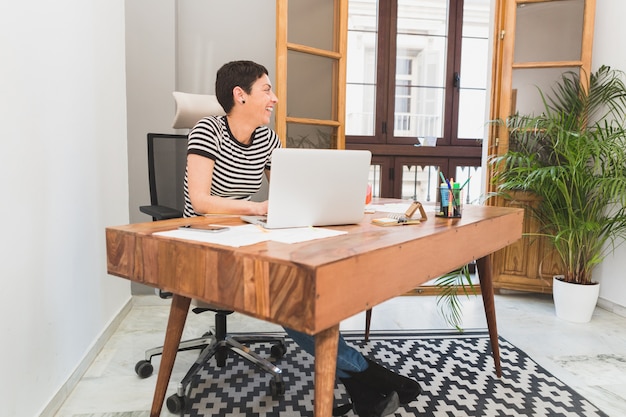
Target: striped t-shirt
(239, 168)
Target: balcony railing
(421, 183)
(414, 125)
(406, 124)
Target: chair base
(218, 345)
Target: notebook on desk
(315, 187)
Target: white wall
(63, 178)
(150, 80)
(209, 36)
(608, 49)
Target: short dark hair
(233, 74)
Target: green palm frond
(605, 97)
(451, 286)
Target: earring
(243, 101)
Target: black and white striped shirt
(239, 168)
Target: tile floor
(590, 357)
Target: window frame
(386, 54)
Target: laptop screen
(317, 187)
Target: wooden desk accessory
(403, 219)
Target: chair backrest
(192, 107)
(167, 156)
(167, 159)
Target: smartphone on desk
(211, 228)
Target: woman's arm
(199, 178)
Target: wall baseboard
(66, 389)
(612, 307)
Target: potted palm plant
(572, 157)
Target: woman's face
(260, 102)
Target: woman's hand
(262, 208)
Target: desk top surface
(312, 285)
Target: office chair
(167, 160)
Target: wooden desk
(309, 286)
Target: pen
(445, 180)
(450, 190)
(451, 199)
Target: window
(417, 68)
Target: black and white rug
(456, 372)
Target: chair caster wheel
(278, 350)
(277, 388)
(144, 369)
(176, 404)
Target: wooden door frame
(522, 266)
(338, 54)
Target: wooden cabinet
(528, 264)
(535, 41)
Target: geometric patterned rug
(455, 370)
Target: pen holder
(450, 203)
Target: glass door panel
(309, 77)
(549, 31)
(361, 68)
(472, 113)
(421, 44)
(472, 82)
(360, 109)
(310, 136)
(527, 81)
(361, 84)
(306, 17)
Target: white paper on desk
(302, 234)
(250, 234)
(235, 235)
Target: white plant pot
(574, 302)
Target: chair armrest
(161, 212)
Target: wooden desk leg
(175, 325)
(325, 368)
(486, 288)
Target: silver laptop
(315, 187)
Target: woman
(226, 160)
